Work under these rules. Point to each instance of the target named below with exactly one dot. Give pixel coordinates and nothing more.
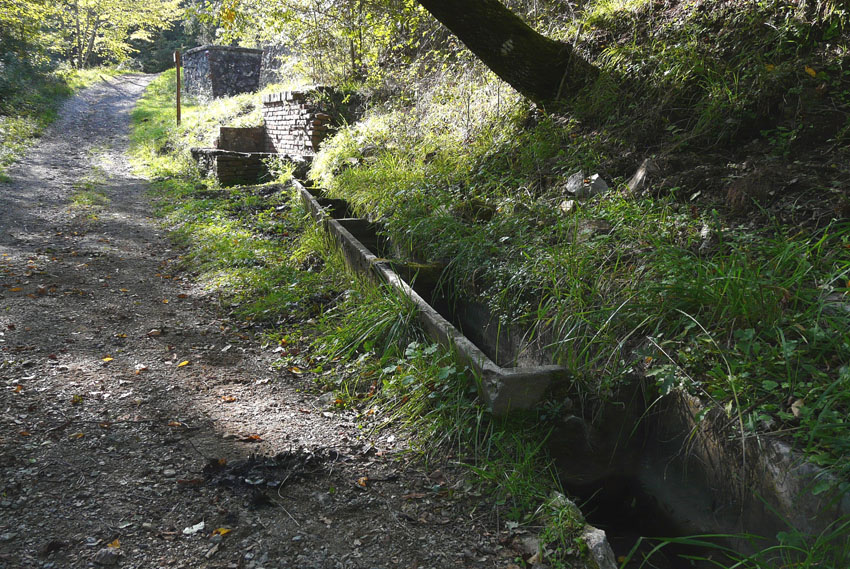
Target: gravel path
(114, 452)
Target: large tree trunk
(540, 68)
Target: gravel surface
(114, 452)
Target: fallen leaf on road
(19, 388)
(221, 531)
(108, 359)
(77, 436)
(165, 301)
(15, 289)
(76, 399)
(175, 424)
(228, 398)
(25, 434)
(251, 439)
(363, 481)
(114, 544)
(183, 363)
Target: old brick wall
(295, 125)
(212, 71)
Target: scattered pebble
(107, 557)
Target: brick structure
(233, 168)
(247, 139)
(294, 129)
(294, 124)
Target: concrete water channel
(663, 467)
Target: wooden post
(177, 63)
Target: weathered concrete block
(213, 71)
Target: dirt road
(129, 410)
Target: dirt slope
(113, 450)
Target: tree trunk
(90, 46)
(79, 36)
(540, 68)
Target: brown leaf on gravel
(25, 434)
(228, 398)
(251, 439)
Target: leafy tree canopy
(82, 31)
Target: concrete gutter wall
(503, 389)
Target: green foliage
(460, 172)
(30, 96)
(86, 29)
(746, 323)
(330, 42)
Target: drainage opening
(632, 518)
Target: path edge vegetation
(263, 259)
(726, 277)
(32, 98)
(371, 355)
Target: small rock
(107, 556)
(50, 547)
(582, 187)
(709, 239)
(597, 185)
(9, 536)
(598, 548)
(640, 180)
(568, 206)
(169, 473)
(528, 546)
(575, 183)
